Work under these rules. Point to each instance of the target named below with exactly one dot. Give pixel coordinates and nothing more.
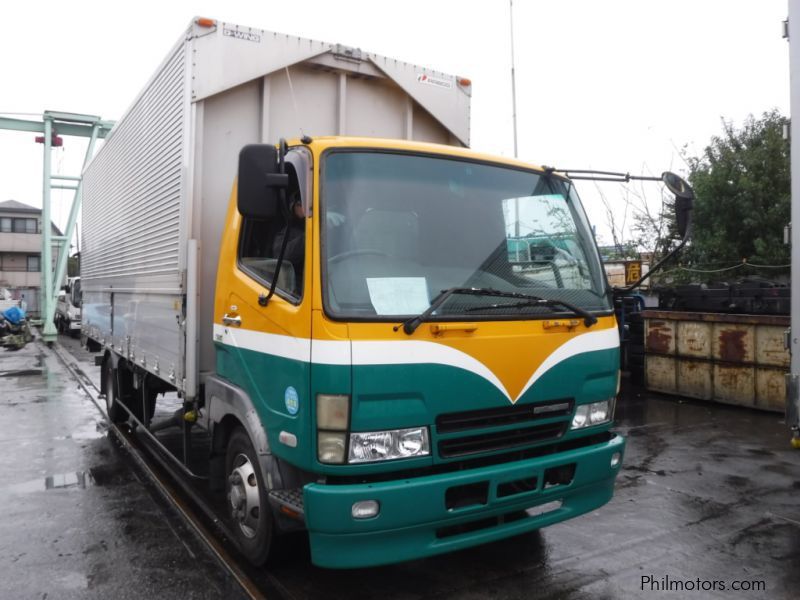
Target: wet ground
(76, 519)
(708, 500)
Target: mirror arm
(264, 300)
(282, 150)
(658, 265)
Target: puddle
(98, 476)
(78, 480)
(89, 431)
(21, 373)
(34, 400)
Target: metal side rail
(176, 497)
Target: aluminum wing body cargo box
(155, 195)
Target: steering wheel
(356, 252)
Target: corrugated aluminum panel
(133, 188)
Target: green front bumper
(414, 522)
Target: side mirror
(261, 181)
(684, 198)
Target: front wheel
(248, 507)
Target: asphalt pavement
(78, 521)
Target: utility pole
(792, 32)
(514, 111)
(513, 77)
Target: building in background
(21, 251)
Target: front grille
(525, 417)
(501, 440)
(506, 415)
(476, 462)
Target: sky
(620, 85)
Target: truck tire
(248, 507)
(116, 413)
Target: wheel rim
(243, 497)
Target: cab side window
(260, 242)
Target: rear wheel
(116, 413)
(143, 401)
(248, 507)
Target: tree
(652, 233)
(74, 265)
(654, 229)
(742, 189)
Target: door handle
(232, 320)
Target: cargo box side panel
(227, 122)
(146, 331)
(134, 222)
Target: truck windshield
(400, 228)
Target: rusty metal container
(735, 359)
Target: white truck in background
(68, 308)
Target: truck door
(265, 347)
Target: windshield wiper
(410, 326)
(588, 318)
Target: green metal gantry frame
(58, 124)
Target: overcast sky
(613, 85)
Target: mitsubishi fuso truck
(294, 238)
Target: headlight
(595, 413)
(388, 445)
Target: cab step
(288, 502)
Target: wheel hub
(245, 505)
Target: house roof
(14, 206)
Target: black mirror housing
(260, 181)
(684, 199)
(683, 215)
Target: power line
(744, 263)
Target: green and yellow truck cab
(400, 345)
(432, 393)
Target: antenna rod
(513, 77)
(294, 102)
